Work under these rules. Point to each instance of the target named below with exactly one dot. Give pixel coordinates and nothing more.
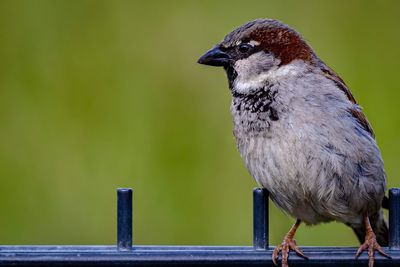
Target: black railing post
(394, 218)
(124, 219)
(260, 219)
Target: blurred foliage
(96, 95)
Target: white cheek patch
(291, 69)
(246, 80)
(241, 86)
(245, 67)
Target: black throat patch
(258, 101)
(232, 74)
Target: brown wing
(357, 113)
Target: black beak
(215, 57)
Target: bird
(302, 134)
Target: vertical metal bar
(124, 219)
(260, 219)
(394, 218)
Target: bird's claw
(371, 245)
(287, 245)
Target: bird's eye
(244, 48)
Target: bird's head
(255, 48)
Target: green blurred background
(96, 95)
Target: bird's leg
(288, 244)
(370, 243)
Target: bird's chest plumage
(270, 149)
(254, 112)
(303, 149)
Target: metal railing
(126, 254)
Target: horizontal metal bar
(180, 256)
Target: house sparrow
(302, 134)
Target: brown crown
(273, 36)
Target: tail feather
(382, 234)
(385, 203)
